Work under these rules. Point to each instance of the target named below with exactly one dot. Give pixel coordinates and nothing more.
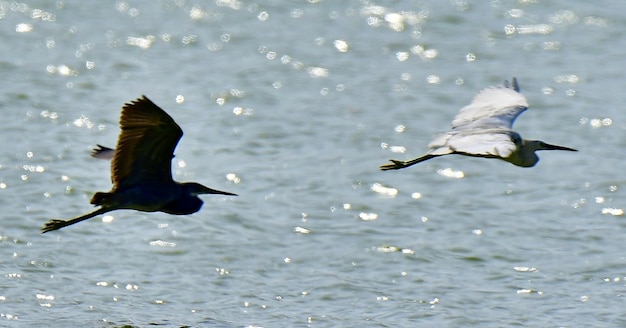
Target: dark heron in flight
(141, 169)
(483, 129)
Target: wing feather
(494, 107)
(146, 144)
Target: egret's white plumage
(483, 129)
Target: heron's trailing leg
(58, 224)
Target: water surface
(293, 106)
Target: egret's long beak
(547, 146)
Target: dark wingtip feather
(514, 85)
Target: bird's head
(195, 189)
(525, 156)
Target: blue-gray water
(294, 105)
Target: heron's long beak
(547, 146)
(207, 190)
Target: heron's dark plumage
(141, 169)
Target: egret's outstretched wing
(145, 146)
(486, 143)
(494, 107)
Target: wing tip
(514, 85)
(139, 100)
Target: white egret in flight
(483, 129)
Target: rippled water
(294, 105)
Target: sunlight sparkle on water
(613, 211)
(397, 21)
(341, 45)
(389, 249)
(402, 55)
(44, 297)
(42, 15)
(433, 79)
(296, 13)
(525, 269)
(34, 168)
(301, 230)
(23, 28)
(317, 72)
(232, 4)
(534, 29)
(271, 55)
(430, 53)
(222, 271)
(450, 173)
(232, 177)
(263, 16)
(62, 70)
(143, 43)
(161, 243)
(398, 149)
(49, 114)
(597, 122)
(380, 189)
(570, 78)
(83, 121)
(368, 216)
(551, 45)
(243, 111)
(515, 13)
(564, 17)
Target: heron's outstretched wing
(494, 107)
(145, 146)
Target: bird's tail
(58, 224)
(100, 198)
(103, 152)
